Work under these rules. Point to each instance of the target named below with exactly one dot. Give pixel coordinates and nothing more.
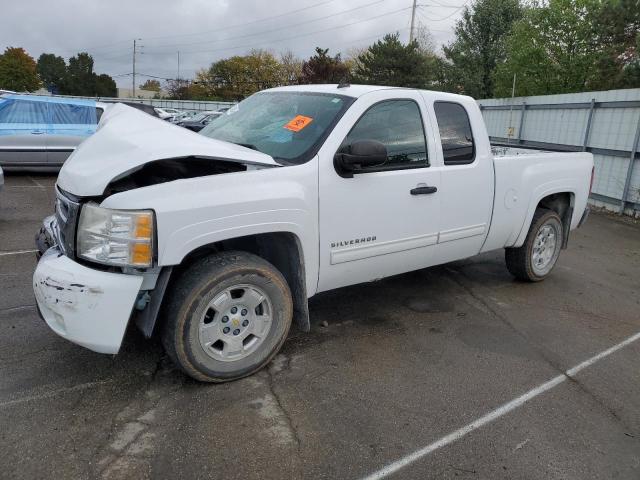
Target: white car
(216, 240)
(165, 113)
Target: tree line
(553, 46)
(546, 46)
(22, 73)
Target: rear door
(23, 129)
(467, 179)
(69, 125)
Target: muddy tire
(226, 316)
(534, 260)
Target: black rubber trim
(147, 318)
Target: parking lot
(388, 369)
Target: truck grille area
(66, 214)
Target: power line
(297, 24)
(284, 39)
(447, 16)
(291, 12)
(253, 22)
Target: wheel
(226, 317)
(535, 259)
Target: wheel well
(562, 204)
(283, 250)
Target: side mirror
(359, 155)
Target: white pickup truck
(216, 240)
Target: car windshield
(289, 126)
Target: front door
(385, 220)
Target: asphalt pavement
(435, 362)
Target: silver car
(39, 133)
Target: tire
(534, 261)
(212, 342)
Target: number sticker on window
(298, 123)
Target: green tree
(554, 48)
(52, 70)
(105, 86)
(323, 68)
(479, 45)
(389, 62)
(238, 77)
(151, 85)
(18, 70)
(618, 33)
(290, 68)
(80, 79)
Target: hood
(127, 139)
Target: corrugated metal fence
(606, 124)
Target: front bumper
(86, 306)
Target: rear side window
(68, 114)
(398, 125)
(455, 133)
(23, 111)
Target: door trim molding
(361, 252)
(460, 233)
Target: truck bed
(523, 177)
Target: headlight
(116, 237)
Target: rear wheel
(535, 259)
(227, 316)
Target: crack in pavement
(536, 347)
(273, 370)
(130, 439)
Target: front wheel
(227, 316)
(535, 259)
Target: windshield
(289, 126)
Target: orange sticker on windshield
(298, 123)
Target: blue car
(39, 133)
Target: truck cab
(215, 241)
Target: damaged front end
(85, 291)
(86, 306)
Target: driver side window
(397, 124)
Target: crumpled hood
(128, 138)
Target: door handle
(423, 190)
(37, 132)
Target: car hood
(127, 139)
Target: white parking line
(36, 182)
(17, 252)
(495, 414)
(53, 393)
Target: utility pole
(133, 84)
(413, 20)
(178, 66)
